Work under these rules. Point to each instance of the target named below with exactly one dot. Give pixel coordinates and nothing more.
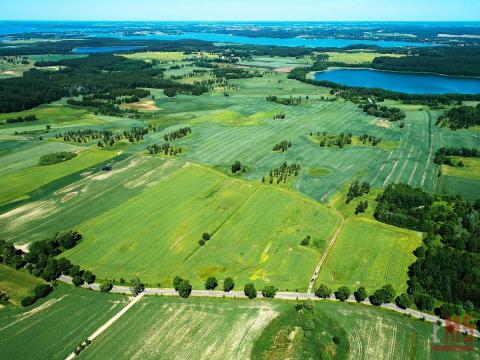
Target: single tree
(323, 292)
(136, 286)
(343, 293)
(250, 291)
(184, 289)
(228, 284)
(360, 294)
(176, 282)
(269, 291)
(77, 280)
(106, 286)
(211, 283)
(403, 301)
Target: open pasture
(255, 230)
(370, 254)
(54, 326)
(356, 57)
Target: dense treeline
(41, 261)
(404, 206)
(448, 60)
(286, 101)
(66, 46)
(96, 74)
(229, 73)
(390, 113)
(460, 117)
(442, 156)
(448, 264)
(56, 158)
(21, 119)
(177, 134)
(166, 148)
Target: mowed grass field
(169, 328)
(370, 254)
(55, 325)
(19, 183)
(17, 284)
(255, 233)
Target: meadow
(250, 238)
(55, 325)
(378, 254)
(17, 284)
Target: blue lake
(291, 42)
(410, 83)
(106, 49)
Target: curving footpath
(282, 295)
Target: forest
(448, 263)
(459, 61)
(96, 74)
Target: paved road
(280, 295)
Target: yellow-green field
(256, 232)
(471, 170)
(370, 254)
(358, 57)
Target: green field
(195, 329)
(17, 284)
(19, 183)
(55, 325)
(370, 254)
(251, 239)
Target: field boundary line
(110, 322)
(327, 251)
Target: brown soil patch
(147, 105)
(383, 123)
(284, 70)
(69, 196)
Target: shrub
(228, 284)
(206, 236)
(250, 291)
(42, 290)
(211, 283)
(336, 339)
(236, 166)
(269, 291)
(29, 300)
(201, 242)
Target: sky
(253, 10)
